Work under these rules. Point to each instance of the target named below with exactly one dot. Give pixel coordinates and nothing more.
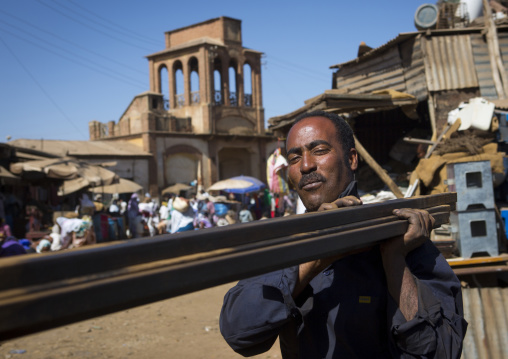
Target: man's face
(317, 166)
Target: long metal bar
(88, 260)
(28, 308)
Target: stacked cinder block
(474, 220)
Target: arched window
(179, 84)
(164, 85)
(194, 81)
(247, 85)
(217, 83)
(233, 89)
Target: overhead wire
(91, 27)
(70, 42)
(298, 69)
(125, 29)
(41, 88)
(122, 78)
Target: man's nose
(307, 164)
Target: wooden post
(432, 113)
(496, 63)
(378, 169)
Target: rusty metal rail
(45, 291)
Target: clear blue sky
(64, 63)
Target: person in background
(98, 205)
(9, 246)
(147, 209)
(44, 245)
(163, 218)
(123, 207)
(56, 238)
(201, 221)
(245, 215)
(28, 245)
(133, 215)
(86, 206)
(182, 216)
(5, 229)
(231, 216)
(114, 210)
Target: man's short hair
(344, 131)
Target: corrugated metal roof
(485, 309)
(449, 62)
(483, 67)
(407, 35)
(82, 148)
(375, 52)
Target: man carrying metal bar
(399, 299)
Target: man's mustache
(310, 178)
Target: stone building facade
(203, 117)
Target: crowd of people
(95, 220)
(177, 213)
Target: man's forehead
(316, 125)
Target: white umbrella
(229, 184)
(76, 174)
(176, 188)
(123, 186)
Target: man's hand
(347, 201)
(420, 226)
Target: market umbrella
(255, 185)
(176, 188)
(7, 177)
(72, 185)
(229, 184)
(4, 173)
(76, 174)
(57, 168)
(123, 186)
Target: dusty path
(181, 327)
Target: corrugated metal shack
(441, 69)
(485, 310)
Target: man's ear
(353, 159)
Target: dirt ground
(180, 327)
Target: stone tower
(203, 118)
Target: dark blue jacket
(347, 311)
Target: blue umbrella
(257, 185)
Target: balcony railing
(247, 100)
(218, 98)
(195, 99)
(180, 100)
(233, 100)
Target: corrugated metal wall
(378, 73)
(482, 66)
(449, 62)
(485, 309)
(414, 73)
(437, 63)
